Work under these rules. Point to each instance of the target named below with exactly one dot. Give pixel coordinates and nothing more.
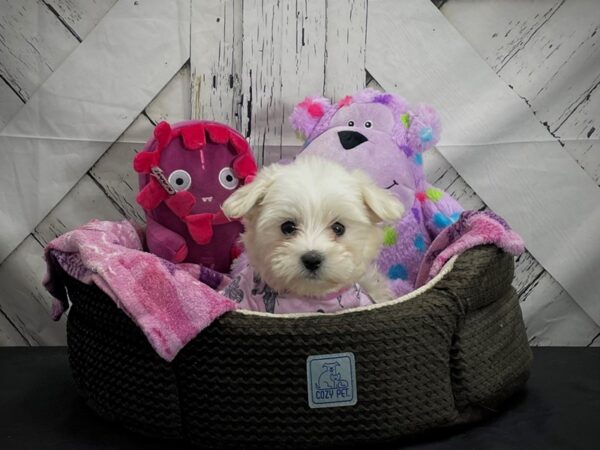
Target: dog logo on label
(331, 380)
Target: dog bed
(449, 353)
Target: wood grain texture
(216, 61)
(283, 54)
(58, 121)
(33, 42)
(10, 102)
(174, 102)
(345, 47)
(23, 300)
(535, 49)
(114, 173)
(548, 52)
(80, 16)
(86, 201)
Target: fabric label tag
(331, 380)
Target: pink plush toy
(186, 173)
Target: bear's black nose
(350, 139)
(312, 260)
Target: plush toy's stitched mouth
(350, 139)
(395, 183)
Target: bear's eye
(368, 124)
(338, 229)
(351, 123)
(288, 228)
(180, 180)
(227, 179)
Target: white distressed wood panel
(86, 201)
(283, 55)
(9, 335)
(216, 61)
(536, 49)
(345, 47)
(552, 318)
(549, 53)
(114, 170)
(174, 102)
(24, 301)
(33, 43)
(476, 145)
(80, 16)
(58, 124)
(10, 103)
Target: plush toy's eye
(351, 123)
(338, 229)
(368, 124)
(227, 179)
(288, 227)
(180, 180)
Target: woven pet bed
(449, 355)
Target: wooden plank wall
(250, 63)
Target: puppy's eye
(338, 228)
(351, 123)
(368, 124)
(288, 227)
(180, 180)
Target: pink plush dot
(315, 110)
(421, 196)
(345, 101)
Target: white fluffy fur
(314, 193)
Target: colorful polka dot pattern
(420, 243)
(397, 272)
(418, 158)
(426, 134)
(442, 221)
(390, 237)
(433, 194)
(405, 119)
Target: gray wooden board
(33, 43)
(23, 300)
(216, 61)
(57, 121)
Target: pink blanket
(170, 303)
(473, 228)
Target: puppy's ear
(382, 205)
(242, 201)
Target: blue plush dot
(397, 272)
(440, 220)
(426, 134)
(454, 216)
(418, 159)
(420, 243)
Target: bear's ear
(308, 113)
(424, 128)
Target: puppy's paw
(376, 285)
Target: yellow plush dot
(434, 194)
(389, 236)
(300, 136)
(405, 119)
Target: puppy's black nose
(312, 260)
(350, 139)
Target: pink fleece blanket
(473, 228)
(170, 303)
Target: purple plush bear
(382, 135)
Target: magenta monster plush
(186, 173)
(382, 135)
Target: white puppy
(311, 233)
